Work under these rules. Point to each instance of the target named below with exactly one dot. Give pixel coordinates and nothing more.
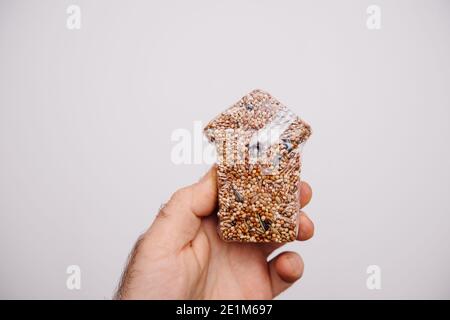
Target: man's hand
(182, 257)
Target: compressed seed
(258, 198)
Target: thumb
(178, 221)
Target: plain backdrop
(86, 118)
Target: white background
(86, 118)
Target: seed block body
(258, 142)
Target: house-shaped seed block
(258, 142)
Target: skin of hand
(182, 257)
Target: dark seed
(255, 150)
(287, 145)
(257, 147)
(266, 224)
(238, 196)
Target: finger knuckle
(181, 195)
